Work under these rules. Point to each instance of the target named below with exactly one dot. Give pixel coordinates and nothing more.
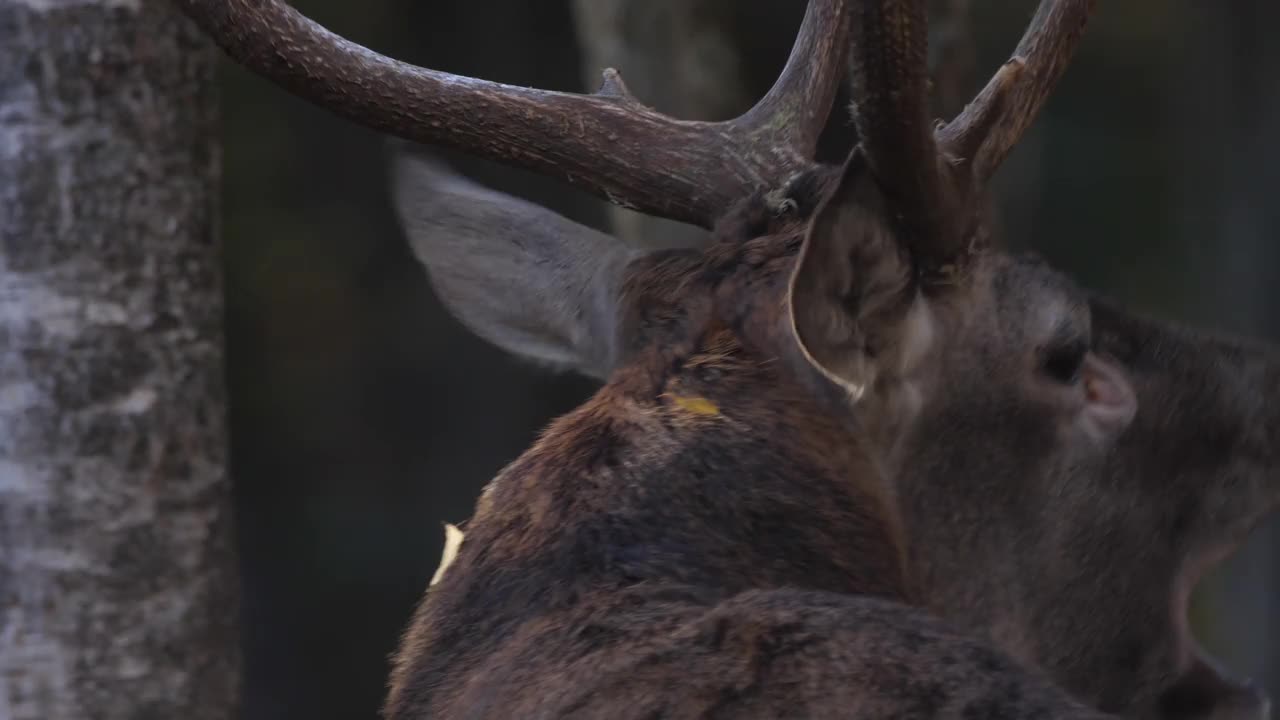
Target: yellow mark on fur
(696, 405)
(452, 541)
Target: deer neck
(711, 469)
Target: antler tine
(890, 81)
(989, 127)
(607, 143)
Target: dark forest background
(363, 416)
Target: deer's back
(660, 653)
(660, 553)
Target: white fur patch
(918, 333)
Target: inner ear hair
(853, 291)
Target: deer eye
(1063, 362)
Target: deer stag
(851, 459)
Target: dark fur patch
(710, 535)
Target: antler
(988, 128)
(932, 179)
(607, 143)
(889, 69)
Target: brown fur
(719, 532)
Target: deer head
(927, 417)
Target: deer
(852, 458)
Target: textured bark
(680, 58)
(117, 581)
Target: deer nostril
(1093, 390)
(1106, 385)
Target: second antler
(930, 178)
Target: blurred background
(363, 416)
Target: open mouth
(1206, 690)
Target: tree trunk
(678, 57)
(117, 575)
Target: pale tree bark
(117, 580)
(677, 56)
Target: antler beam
(607, 143)
(932, 179)
(889, 67)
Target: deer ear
(517, 274)
(854, 307)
